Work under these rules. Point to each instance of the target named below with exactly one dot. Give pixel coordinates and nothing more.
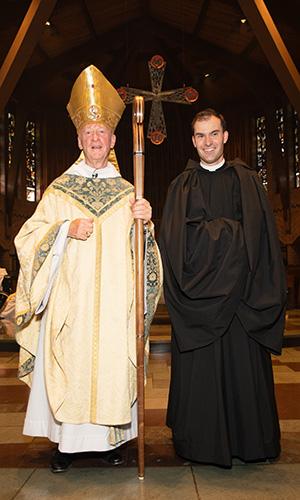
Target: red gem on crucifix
(157, 127)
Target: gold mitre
(94, 100)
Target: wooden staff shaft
(138, 163)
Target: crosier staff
(138, 168)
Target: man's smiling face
(209, 139)
(96, 141)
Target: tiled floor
(24, 472)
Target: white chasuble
(75, 312)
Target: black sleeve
(262, 307)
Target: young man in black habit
(225, 291)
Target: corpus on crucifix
(186, 95)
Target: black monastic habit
(225, 291)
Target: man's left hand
(141, 209)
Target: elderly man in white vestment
(75, 305)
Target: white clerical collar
(81, 168)
(213, 167)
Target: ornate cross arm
(185, 95)
(128, 94)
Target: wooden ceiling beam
(42, 52)
(249, 48)
(274, 48)
(152, 27)
(244, 70)
(43, 72)
(22, 47)
(248, 71)
(89, 19)
(203, 6)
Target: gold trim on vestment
(96, 323)
(78, 204)
(43, 247)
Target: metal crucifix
(157, 131)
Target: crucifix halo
(157, 131)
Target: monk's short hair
(205, 115)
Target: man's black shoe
(112, 457)
(61, 462)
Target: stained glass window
(261, 150)
(11, 124)
(29, 155)
(280, 128)
(296, 150)
(30, 161)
